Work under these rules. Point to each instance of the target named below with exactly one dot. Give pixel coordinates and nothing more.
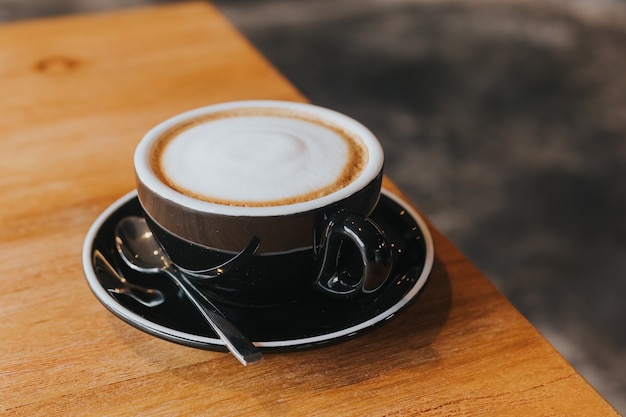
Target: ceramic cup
(261, 200)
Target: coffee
(257, 157)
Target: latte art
(257, 157)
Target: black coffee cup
(249, 235)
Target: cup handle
(373, 250)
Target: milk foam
(258, 160)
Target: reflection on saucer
(313, 319)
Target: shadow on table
(404, 342)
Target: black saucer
(312, 320)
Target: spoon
(141, 251)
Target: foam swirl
(258, 160)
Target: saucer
(314, 319)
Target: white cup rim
(149, 179)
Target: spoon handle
(234, 340)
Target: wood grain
(77, 95)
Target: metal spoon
(141, 251)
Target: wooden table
(77, 93)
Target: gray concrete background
(503, 120)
